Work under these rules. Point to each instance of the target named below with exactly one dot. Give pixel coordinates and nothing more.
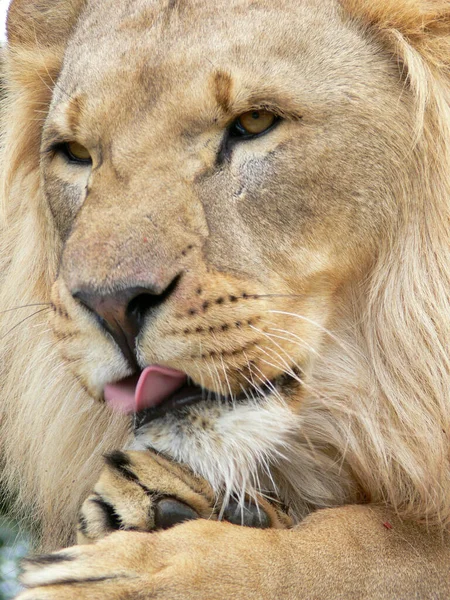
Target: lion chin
(228, 244)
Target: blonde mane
(380, 415)
(400, 438)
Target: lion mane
(383, 405)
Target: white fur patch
(228, 445)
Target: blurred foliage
(13, 546)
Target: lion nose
(122, 313)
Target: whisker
(2, 312)
(293, 335)
(261, 296)
(217, 378)
(287, 365)
(275, 454)
(254, 385)
(266, 382)
(302, 382)
(268, 472)
(248, 393)
(220, 387)
(254, 489)
(232, 396)
(249, 366)
(23, 321)
(341, 344)
(202, 383)
(284, 365)
(212, 380)
(250, 398)
(288, 369)
(267, 496)
(270, 338)
(307, 386)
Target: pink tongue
(154, 386)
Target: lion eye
(77, 153)
(254, 122)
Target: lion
(225, 266)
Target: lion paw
(145, 491)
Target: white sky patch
(3, 9)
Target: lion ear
(42, 23)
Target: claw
(170, 512)
(247, 515)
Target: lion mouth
(159, 390)
(152, 387)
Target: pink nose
(122, 313)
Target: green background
(13, 546)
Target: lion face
(199, 239)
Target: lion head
(247, 204)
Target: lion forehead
(271, 39)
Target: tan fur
(351, 285)
(339, 554)
(343, 553)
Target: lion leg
(145, 491)
(348, 553)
